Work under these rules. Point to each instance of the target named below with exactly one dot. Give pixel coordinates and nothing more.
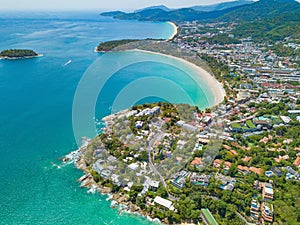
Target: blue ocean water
(36, 97)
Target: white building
(164, 202)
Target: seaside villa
(164, 202)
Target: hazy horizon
(35, 5)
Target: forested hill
(17, 53)
(267, 19)
(264, 19)
(220, 6)
(263, 9)
(178, 15)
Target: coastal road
(158, 137)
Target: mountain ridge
(221, 6)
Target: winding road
(158, 137)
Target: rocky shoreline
(23, 57)
(94, 154)
(118, 200)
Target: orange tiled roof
(226, 147)
(196, 161)
(285, 157)
(277, 160)
(256, 170)
(247, 159)
(228, 164)
(264, 140)
(233, 152)
(218, 161)
(297, 161)
(235, 144)
(243, 168)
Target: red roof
(247, 159)
(256, 170)
(233, 152)
(228, 164)
(196, 161)
(243, 168)
(217, 162)
(297, 161)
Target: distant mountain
(177, 15)
(221, 6)
(162, 7)
(114, 14)
(264, 19)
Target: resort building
(258, 171)
(197, 162)
(217, 163)
(180, 179)
(154, 185)
(226, 166)
(149, 112)
(268, 192)
(200, 180)
(267, 211)
(227, 183)
(297, 162)
(138, 124)
(187, 126)
(164, 202)
(243, 169)
(203, 141)
(258, 185)
(255, 209)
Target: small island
(18, 54)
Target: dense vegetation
(268, 30)
(18, 53)
(110, 45)
(266, 19)
(222, 39)
(263, 9)
(178, 15)
(220, 6)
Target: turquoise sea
(36, 97)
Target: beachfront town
(236, 163)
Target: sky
(18, 5)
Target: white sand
(212, 82)
(175, 28)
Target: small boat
(67, 63)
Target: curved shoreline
(118, 199)
(216, 87)
(175, 28)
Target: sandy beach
(212, 82)
(175, 30)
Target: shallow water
(36, 97)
